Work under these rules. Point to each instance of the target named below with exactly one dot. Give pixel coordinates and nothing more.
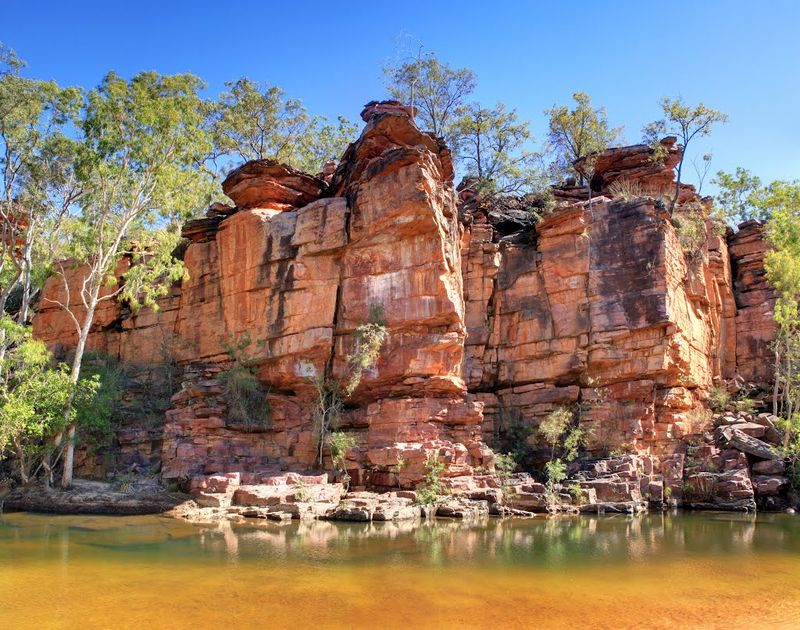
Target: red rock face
(755, 301)
(599, 311)
(297, 272)
(595, 308)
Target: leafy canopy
(34, 393)
(579, 133)
(435, 90)
(255, 121)
(493, 151)
(739, 196)
(684, 121)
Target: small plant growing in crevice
(627, 189)
(564, 440)
(370, 338)
(331, 392)
(431, 491)
(718, 398)
(690, 226)
(302, 491)
(745, 405)
(504, 467)
(339, 443)
(399, 466)
(576, 491)
(699, 421)
(246, 399)
(125, 483)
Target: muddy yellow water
(656, 571)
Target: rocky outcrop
(494, 319)
(636, 334)
(144, 496)
(295, 267)
(755, 301)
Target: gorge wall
(493, 319)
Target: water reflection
(541, 542)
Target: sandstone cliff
(492, 319)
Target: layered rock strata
(494, 319)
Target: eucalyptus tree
(577, 135)
(782, 264)
(740, 195)
(37, 182)
(140, 143)
(686, 122)
(255, 121)
(435, 91)
(494, 151)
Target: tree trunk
(69, 452)
(46, 462)
(26, 274)
(777, 383)
(678, 181)
(23, 466)
(69, 457)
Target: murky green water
(691, 570)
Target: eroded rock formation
(493, 318)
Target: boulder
(734, 438)
(270, 184)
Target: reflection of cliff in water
(541, 541)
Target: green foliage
(329, 403)
(690, 224)
(34, 395)
(738, 196)
(302, 493)
(718, 398)
(339, 442)
(400, 466)
(245, 396)
(782, 265)
(96, 414)
(327, 411)
(512, 436)
(36, 183)
(684, 121)
(492, 149)
(745, 405)
(556, 471)
(254, 121)
(578, 135)
(553, 427)
(504, 467)
(577, 492)
(431, 491)
(370, 337)
(564, 440)
(436, 92)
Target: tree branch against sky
(256, 121)
(577, 134)
(686, 122)
(434, 90)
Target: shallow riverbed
(654, 571)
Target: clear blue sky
(740, 57)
